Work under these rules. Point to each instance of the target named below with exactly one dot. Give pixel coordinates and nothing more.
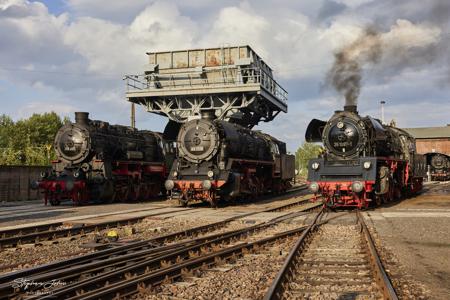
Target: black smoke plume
(346, 73)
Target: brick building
(431, 139)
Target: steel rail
(49, 235)
(136, 283)
(278, 285)
(134, 263)
(281, 282)
(153, 263)
(43, 236)
(380, 274)
(10, 237)
(28, 230)
(133, 284)
(23, 231)
(137, 246)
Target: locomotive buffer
(234, 82)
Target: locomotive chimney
(81, 118)
(351, 108)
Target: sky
(71, 55)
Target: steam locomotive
(365, 162)
(102, 162)
(439, 166)
(221, 161)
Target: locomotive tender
(219, 160)
(102, 162)
(439, 166)
(364, 161)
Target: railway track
(24, 230)
(49, 232)
(333, 262)
(152, 242)
(105, 273)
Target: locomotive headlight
(314, 187)
(77, 174)
(340, 125)
(44, 174)
(367, 165)
(34, 185)
(357, 186)
(206, 184)
(210, 174)
(315, 165)
(175, 174)
(169, 185)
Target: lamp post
(133, 115)
(382, 110)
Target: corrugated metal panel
(208, 57)
(196, 58)
(15, 182)
(429, 132)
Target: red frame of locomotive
(248, 169)
(332, 190)
(134, 171)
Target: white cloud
(162, 27)
(28, 31)
(409, 35)
(103, 44)
(118, 11)
(46, 106)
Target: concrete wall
(15, 182)
(438, 145)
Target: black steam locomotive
(439, 166)
(364, 161)
(102, 162)
(218, 160)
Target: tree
(303, 154)
(28, 141)
(6, 127)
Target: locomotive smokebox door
(198, 140)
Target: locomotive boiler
(219, 160)
(439, 166)
(364, 161)
(102, 162)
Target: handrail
(239, 77)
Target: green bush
(303, 154)
(28, 141)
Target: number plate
(197, 149)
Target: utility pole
(382, 111)
(133, 115)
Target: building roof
(429, 132)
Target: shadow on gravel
(349, 296)
(246, 202)
(35, 216)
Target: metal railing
(207, 79)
